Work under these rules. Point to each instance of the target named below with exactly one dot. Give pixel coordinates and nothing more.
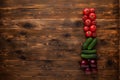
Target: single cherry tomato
(94, 34)
(88, 34)
(92, 10)
(93, 28)
(86, 11)
(93, 22)
(88, 22)
(92, 16)
(85, 17)
(86, 28)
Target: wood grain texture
(119, 48)
(41, 39)
(24, 9)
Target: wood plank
(104, 63)
(40, 44)
(59, 10)
(119, 47)
(38, 24)
(56, 12)
(64, 75)
(11, 3)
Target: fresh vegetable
(88, 71)
(92, 16)
(85, 17)
(93, 63)
(92, 44)
(84, 64)
(86, 11)
(88, 34)
(89, 51)
(93, 28)
(87, 22)
(87, 42)
(86, 28)
(92, 10)
(89, 56)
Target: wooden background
(41, 39)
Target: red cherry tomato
(88, 22)
(92, 10)
(86, 28)
(92, 16)
(86, 11)
(94, 34)
(88, 34)
(93, 22)
(85, 17)
(93, 28)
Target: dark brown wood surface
(41, 39)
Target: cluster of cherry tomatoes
(89, 19)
